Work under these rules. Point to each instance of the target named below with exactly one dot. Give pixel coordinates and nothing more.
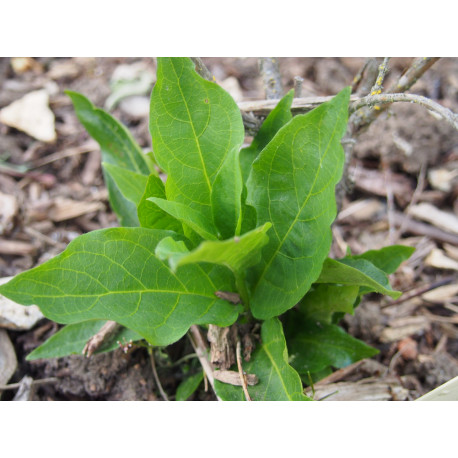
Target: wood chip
(404, 327)
(437, 259)
(441, 219)
(368, 389)
(8, 360)
(9, 206)
(64, 209)
(16, 248)
(452, 251)
(233, 378)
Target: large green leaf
(292, 184)
(195, 125)
(149, 214)
(237, 254)
(323, 300)
(118, 148)
(360, 272)
(278, 381)
(388, 258)
(226, 198)
(113, 274)
(276, 119)
(116, 142)
(131, 184)
(313, 345)
(186, 215)
(71, 339)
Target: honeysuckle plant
(254, 222)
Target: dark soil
(397, 153)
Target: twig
(201, 350)
(299, 105)
(366, 76)
(418, 190)
(413, 73)
(241, 373)
(156, 377)
(387, 99)
(270, 72)
(15, 386)
(419, 291)
(201, 69)
(382, 71)
(361, 119)
(417, 228)
(298, 86)
(339, 374)
(107, 330)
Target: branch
(413, 73)
(361, 120)
(94, 343)
(384, 99)
(201, 69)
(270, 72)
(299, 105)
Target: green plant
(252, 221)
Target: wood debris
(233, 378)
(8, 360)
(439, 218)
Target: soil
(391, 166)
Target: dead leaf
(31, 114)
(441, 294)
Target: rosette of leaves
(253, 221)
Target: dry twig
(271, 77)
(242, 374)
(94, 343)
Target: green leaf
(113, 274)
(131, 184)
(292, 184)
(388, 258)
(125, 210)
(71, 339)
(278, 381)
(226, 198)
(117, 144)
(315, 345)
(192, 218)
(149, 214)
(188, 386)
(323, 300)
(171, 250)
(360, 272)
(195, 126)
(237, 253)
(276, 119)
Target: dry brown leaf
(31, 114)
